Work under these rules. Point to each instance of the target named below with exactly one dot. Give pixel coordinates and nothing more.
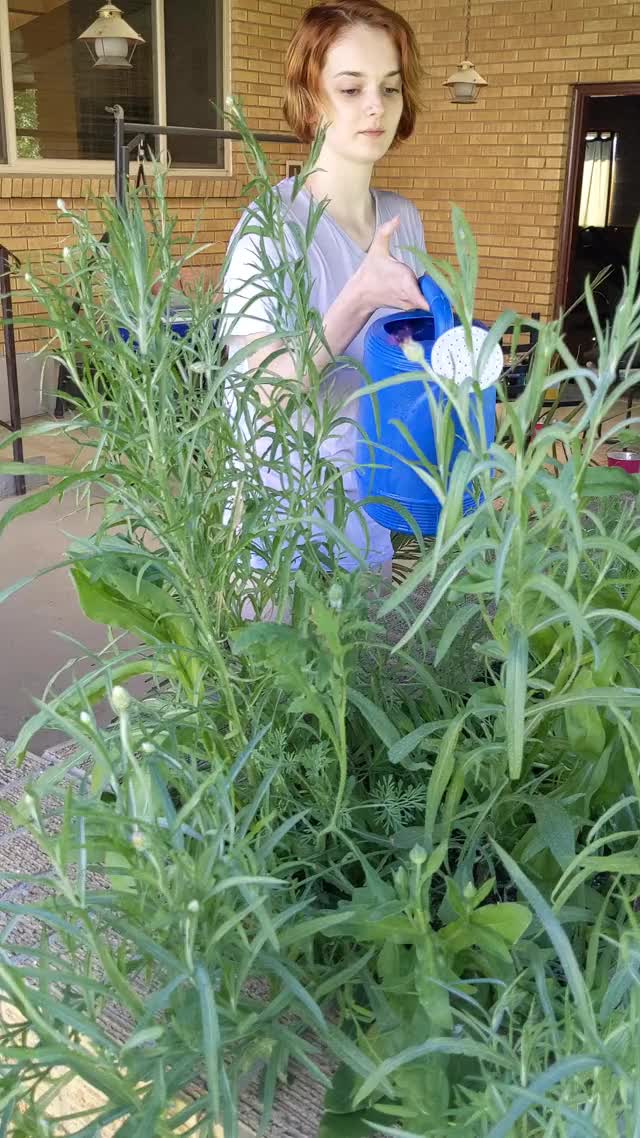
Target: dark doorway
(602, 204)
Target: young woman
(352, 68)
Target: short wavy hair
(319, 27)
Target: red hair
(318, 29)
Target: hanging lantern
(464, 85)
(111, 41)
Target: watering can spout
(439, 305)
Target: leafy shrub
(396, 825)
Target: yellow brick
(583, 38)
(596, 51)
(628, 75)
(600, 25)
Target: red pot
(629, 460)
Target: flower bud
(400, 880)
(120, 699)
(335, 597)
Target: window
(597, 179)
(55, 102)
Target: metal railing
(15, 419)
(124, 150)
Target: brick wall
(503, 160)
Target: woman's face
(361, 94)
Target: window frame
(95, 168)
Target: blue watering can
(177, 319)
(385, 475)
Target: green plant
(425, 799)
(165, 907)
(429, 944)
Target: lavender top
(333, 258)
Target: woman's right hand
(384, 282)
(380, 282)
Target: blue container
(179, 327)
(384, 475)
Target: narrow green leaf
(31, 502)
(142, 1038)
(440, 776)
(470, 552)
(516, 670)
(375, 717)
(408, 743)
(611, 697)
(453, 627)
(438, 1046)
(535, 1094)
(93, 688)
(295, 988)
(558, 938)
(344, 976)
(353, 1057)
(622, 864)
(210, 1039)
(24, 581)
(306, 930)
(556, 829)
(608, 481)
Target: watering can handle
(438, 303)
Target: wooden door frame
(581, 93)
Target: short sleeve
(254, 292)
(246, 311)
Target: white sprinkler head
(451, 358)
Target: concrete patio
(42, 627)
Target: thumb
(383, 235)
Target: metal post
(15, 420)
(121, 156)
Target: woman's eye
(356, 91)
